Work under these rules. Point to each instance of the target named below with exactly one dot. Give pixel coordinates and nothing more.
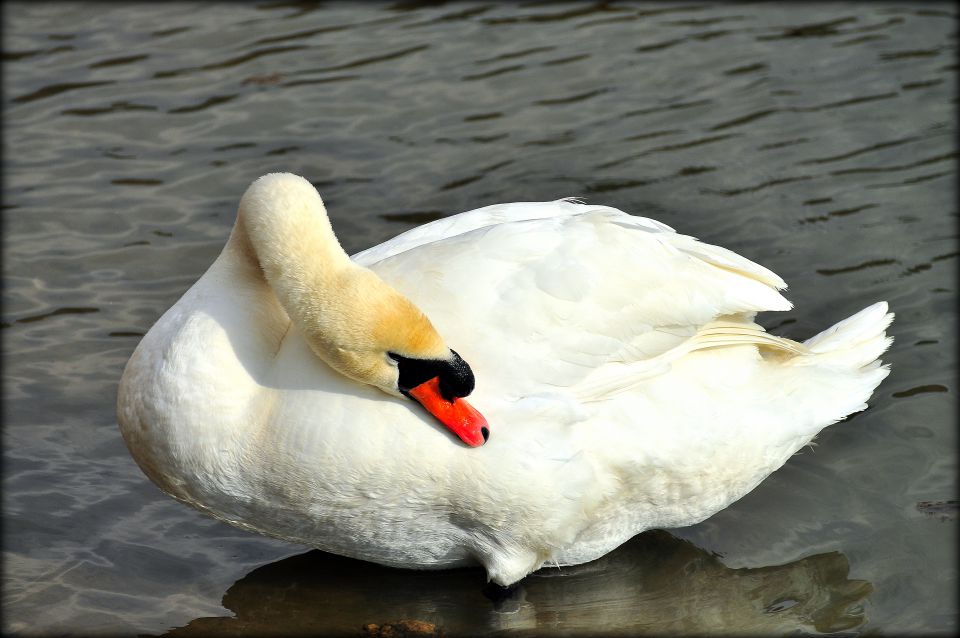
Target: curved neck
(283, 228)
(288, 229)
(348, 315)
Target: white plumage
(625, 384)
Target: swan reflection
(655, 583)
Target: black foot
(505, 599)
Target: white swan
(623, 381)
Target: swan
(617, 382)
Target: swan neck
(348, 315)
(283, 229)
(290, 235)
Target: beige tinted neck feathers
(349, 316)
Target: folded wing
(565, 297)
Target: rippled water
(817, 139)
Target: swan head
(394, 347)
(353, 320)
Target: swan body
(625, 383)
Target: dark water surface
(816, 139)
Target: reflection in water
(653, 584)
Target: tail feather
(855, 342)
(853, 345)
(870, 322)
(847, 357)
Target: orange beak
(459, 416)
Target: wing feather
(547, 294)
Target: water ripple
(522, 53)
(745, 119)
(52, 313)
(873, 263)
(211, 101)
(665, 148)
(300, 35)
(900, 167)
(230, 62)
(481, 173)
(114, 107)
(374, 59)
(479, 117)
(570, 99)
(757, 187)
(568, 60)
(842, 212)
(13, 56)
(861, 151)
(127, 59)
(747, 68)
(912, 180)
(922, 389)
(915, 53)
(554, 17)
(813, 30)
(494, 72)
(57, 89)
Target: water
(816, 139)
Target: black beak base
(456, 377)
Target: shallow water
(816, 139)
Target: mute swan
(616, 363)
